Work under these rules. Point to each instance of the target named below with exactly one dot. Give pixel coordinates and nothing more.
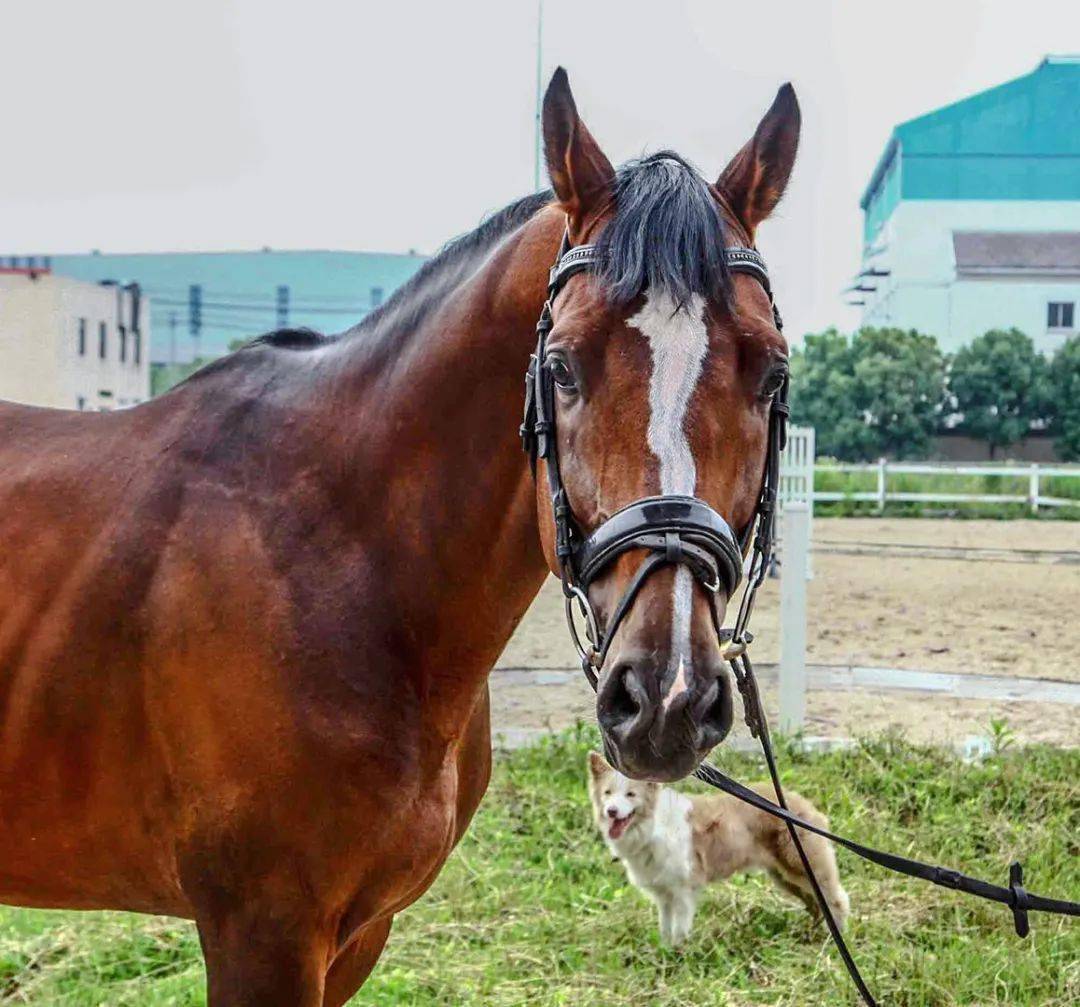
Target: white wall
(923, 292)
(40, 362)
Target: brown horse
(245, 628)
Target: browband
(578, 259)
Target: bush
(1064, 386)
(998, 383)
(881, 392)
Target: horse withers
(245, 628)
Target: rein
(683, 530)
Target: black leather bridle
(683, 530)
(673, 530)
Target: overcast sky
(148, 126)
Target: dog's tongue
(618, 826)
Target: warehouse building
(972, 215)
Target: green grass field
(532, 910)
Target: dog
(672, 845)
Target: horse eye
(773, 383)
(560, 372)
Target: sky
(147, 126)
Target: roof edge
(880, 168)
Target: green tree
(998, 385)
(1063, 383)
(165, 376)
(878, 393)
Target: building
(972, 215)
(203, 301)
(71, 344)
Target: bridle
(672, 529)
(685, 530)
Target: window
(376, 296)
(122, 330)
(137, 347)
(82, 339)
(1059, 314)
(101, 337)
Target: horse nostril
(716, 710)
(619, 701)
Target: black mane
(666, 234)
(291, 339)
(462, 251)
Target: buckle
(1019, 902)
(947, 878)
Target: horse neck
(437, 442)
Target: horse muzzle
(660, 726)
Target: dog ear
(597, 765)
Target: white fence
(797, 484)
(795, 572)
(882, 494)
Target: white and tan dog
(672, 845)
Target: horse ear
(597, 765)
(756, 178)
(581, 174)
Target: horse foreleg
(259, 960)
(354, 963)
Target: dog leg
(685, 908)
(795, 890)
(666, 905)
(799, 886)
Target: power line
(268, 307)
(169, 291)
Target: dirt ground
(999, 616)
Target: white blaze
(678, 342)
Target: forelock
(666, 233)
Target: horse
(246, 627)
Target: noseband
(686, 531)
(673, 530)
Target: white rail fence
(882, 494)
(797, 484)
(797, 498)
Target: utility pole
(282, 307)
(195, 317)
(539, 96)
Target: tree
(166, 376)
(1063, 384)
(998, 384)
(878, 393)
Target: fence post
(881, 485)
(793, 617)
(1033, 489)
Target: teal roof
(328, 290)
(1019, 140)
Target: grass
(530, 909)
(826, 480)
